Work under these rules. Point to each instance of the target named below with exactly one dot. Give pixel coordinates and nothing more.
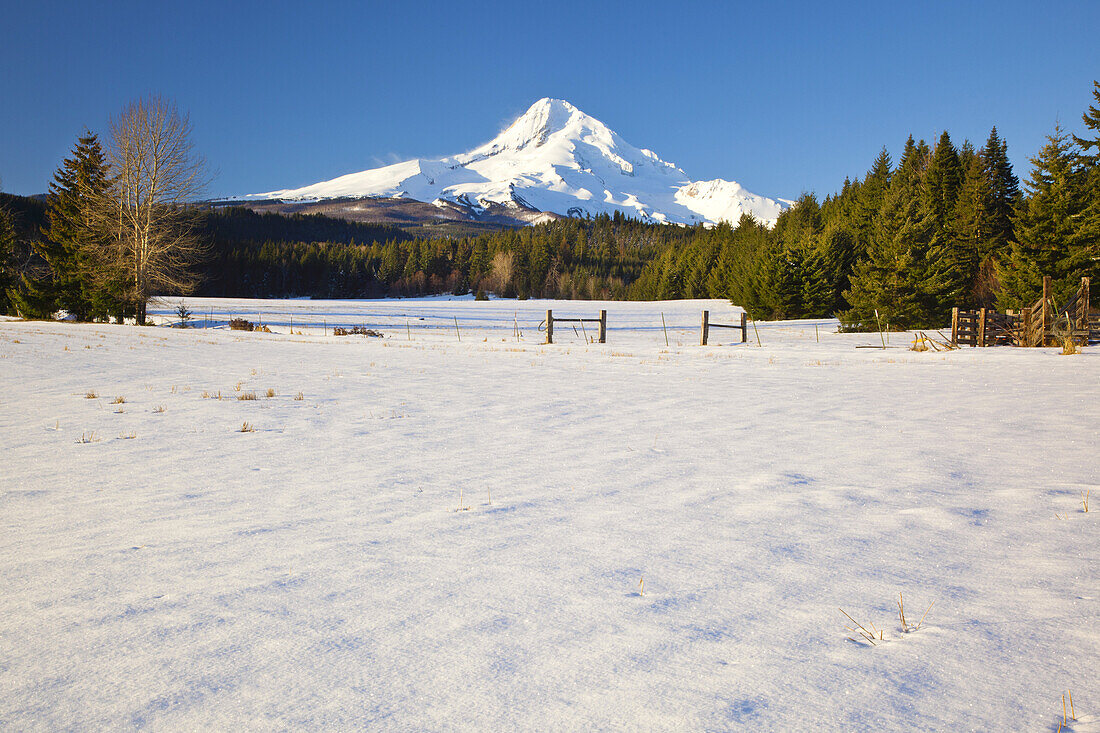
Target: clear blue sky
(781, 97)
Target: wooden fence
(550, 320)
(1039, 324)
(704, 331)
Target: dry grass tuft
(905, 627)
(299, 397)
(356, 331)
(247, 427)
(127, 436)
(246, 396)
(119, 401)
(1085, 500)
(872, 636)
(91, 395)
(270, 392)
(1072, 711)
(237, 386)
(159, 409)
(89, 437)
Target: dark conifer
(1049, 237)
(942, 182)
(1004, 192)
(1091, 118)
(73, 243)
(8, 273)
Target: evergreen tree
(1088, 256)
(942, 182)
(818, 289)
(70, 239)
(1091, 118)
(781, 276)
(1004, 192)
(73, 241)
(945, 268)
(970, 230)
(890, 279)
(838, 253)
(8, 276)
(1050, 239)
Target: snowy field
(447, 534)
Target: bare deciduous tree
(155, 178)
(503, 272)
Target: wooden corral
(1040, 324)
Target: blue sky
(781, 97)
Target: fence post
(704, 329)
(549, 326)
(603, 327)
(981, 327)
(955, 326)
(1083, 305)
(1023, 338)
(744, 327)
(1046, 310)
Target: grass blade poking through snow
(868, 635)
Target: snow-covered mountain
(554, 159)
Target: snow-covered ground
(344, 567)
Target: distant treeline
(946, 226)
(569, 258)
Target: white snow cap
(558, 159)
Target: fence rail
(551, 319)
(704, 330)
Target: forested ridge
(945, 225)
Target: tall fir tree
(970, 230)
(1091, 118)
(942, 181)
(73, 246)
(1004, 192)
(889, 279)
(944, 267)
(1049, 237)
(1088, 256)
(8, 274)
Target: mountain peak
(554, 158)
(534, 127)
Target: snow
(343, 566)
(550, 158)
